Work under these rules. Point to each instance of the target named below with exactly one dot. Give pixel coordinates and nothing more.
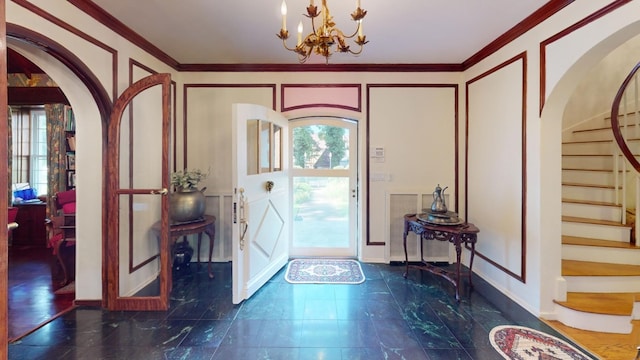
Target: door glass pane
(320, 147)
(321, 212)
(277, 148)
(252, 146)
(140, 167)
(139, 272)
(265, 146)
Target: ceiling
(244, 31)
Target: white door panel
(260, 232)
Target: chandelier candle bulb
(360, 28)
(357, 4)
(283, 10)
(300, 32)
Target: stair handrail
(615, 124)
(620, 139)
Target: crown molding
(100, 15)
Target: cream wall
(568, 59)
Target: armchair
(61, 230)
(65, 201)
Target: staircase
(600, 263)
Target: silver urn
(186, 205)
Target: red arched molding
(70, 60)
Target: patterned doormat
(522, 343)
(324, 271)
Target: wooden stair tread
(576, 240)
(596, 141)
(592, 221)
(589, 202)
(601, 303)
(591, 155)
(590, 185)
(586, 141)
(592, 170)
(591, 268)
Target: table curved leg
(406, 256)
(199, 241)
(458, 254)
(58, 247)
(211, 231)
(473, 253)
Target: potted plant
(187, 203)
(187, 180)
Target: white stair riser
(588, 177)
(594, 322)
(597, 122)
(588, 148)
(588, 193)
(600, 254)
(587, 162)
(598, 212)
(596, 231)
(603, 284)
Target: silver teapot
(438, 205)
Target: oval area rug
(522, 343)
(324, 271)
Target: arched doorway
(94, 105)
(324, 176)
(550, 160)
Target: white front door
(260, 178)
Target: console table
(456, 234)
(31, 219)
(207, 226)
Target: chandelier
(324, 33)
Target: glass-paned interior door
(138, 248)
(324, 187)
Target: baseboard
(373, 260)
(89, 303)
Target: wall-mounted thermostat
(378, 153)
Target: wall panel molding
(185, 94)
(368, 164)
(302, 96)
(501, 154)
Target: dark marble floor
(386, 317)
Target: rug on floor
(324, 271)
(522, 343)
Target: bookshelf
(70, 141)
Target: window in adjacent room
(29, 131)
